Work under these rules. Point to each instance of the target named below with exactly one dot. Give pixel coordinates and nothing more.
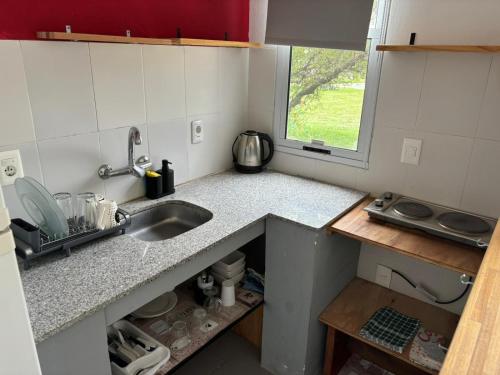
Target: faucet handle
(104, 171)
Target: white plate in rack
(159, 306)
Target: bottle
(167, 175)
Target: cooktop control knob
(379, 203)
(388, 196)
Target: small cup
(199, 317)
(181, 335)
(86, 211)
(179, 329)
(65, 203)
(227, 294)
(212, 303)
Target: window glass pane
(326, 95)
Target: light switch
(411, 151)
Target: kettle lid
(251, 132)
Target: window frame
(355, 158)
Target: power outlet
(196, 131)
(11, 167)
(383, 276)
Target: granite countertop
(61, 291)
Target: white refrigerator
(17, 347)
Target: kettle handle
(266, 138)
(232, 149)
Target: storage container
(152, 360)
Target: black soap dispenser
(167, 175)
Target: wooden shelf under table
(226, 319)
(354, 306)
(416, 244)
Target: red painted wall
(206, 19)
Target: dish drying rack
(32, 242)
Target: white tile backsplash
(262, 76)
(481, 189)
(260, 120)
(60, 88)
(169, 140)
(440, 175)
(452, 91)
(293, 164)
(400, 88)
(164, 83)
(114, 151)
(233, 80)
(385, 172)
(86, 97)
(70, 164)
(444, 22)
(15, 113)
(489, 119)
(214, 153)
(202, 80)
(118, 84)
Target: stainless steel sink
(167, 221)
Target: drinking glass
(86, 211)
(212, 303)
(199, 317)
(179, 329)
(181, 335)
(65, 203)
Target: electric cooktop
(432, 218)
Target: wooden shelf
(77, 37)
(226, 319)
(354, 306)
(438, 48)
(416, 244)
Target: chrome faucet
(136, 168)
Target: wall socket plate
(410, 154)
(383, 276)
(11, 167)
(196, 131)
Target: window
(325, 98)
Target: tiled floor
(228, 355)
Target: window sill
(318, 156)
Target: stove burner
(463, 223)
(412, 210)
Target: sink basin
(167, 221)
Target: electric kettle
(248, 151)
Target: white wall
(449, 100)
(68, 107)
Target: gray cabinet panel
(305, 270)
(79, 350)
